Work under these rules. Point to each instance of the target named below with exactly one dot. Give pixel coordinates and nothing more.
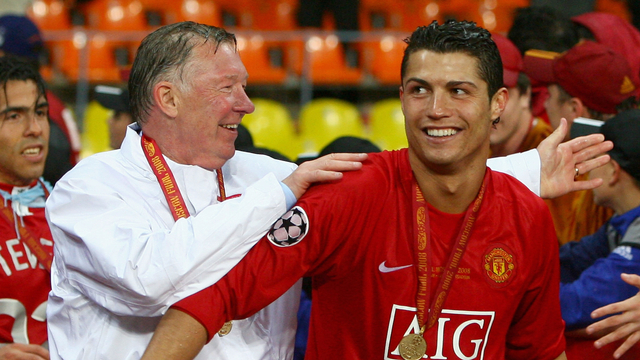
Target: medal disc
(412, 347)
(226, 328)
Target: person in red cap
(593, 81)
(615, 32)
(518, 130)
(544, 28)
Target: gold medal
(412, 347)
(226, 328)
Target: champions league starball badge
(290, 228)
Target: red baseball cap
(512, 64)
(590, 71)
(616, 33)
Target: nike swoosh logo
(384, 269)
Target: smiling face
(448, 113)
(212, 102)
(24, 133)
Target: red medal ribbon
(166, 180)
(423, 250)
(27, 236)
(172, 192)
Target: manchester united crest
(499, 265)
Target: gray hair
(163, 56)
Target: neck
(449, 191)
(175, 148)
(628, 200)
(514, 142)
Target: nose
(438, 106)
(34, 125)
(243, 103)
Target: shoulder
(506, 190)
(379, 170)
(381, 175)
(93, 165)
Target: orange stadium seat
(255, 56)
(461, 10)
(323, 55)
(102, 64)
(116, 15)
(422, 13)
(323, 120)
(173, 11)
(383, 57)
(272, 15)
(383, 14)
(236, 13)
(50, 15)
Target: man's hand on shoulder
(326, 168)
(23, 352)
(559, 161)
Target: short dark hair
(163, 55)
(542, 28)
(14, 68)
(459, 36)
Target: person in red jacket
(26, 244)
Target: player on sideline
(26, 245)
(426, 251)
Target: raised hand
(560, 161)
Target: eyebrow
(449, 84)
(23, 108)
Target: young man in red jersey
(26, 245)
(425, 252)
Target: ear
(165, 95)
(499, 102)
(578, 108)
(615, 173)
(401, 92)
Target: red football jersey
(357, 243)
(24, 283)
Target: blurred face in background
(118, 128)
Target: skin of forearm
(177, 337)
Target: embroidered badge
(290, 228)
(499, 265)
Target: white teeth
(441, 132)
(32, 151)
(230, 126)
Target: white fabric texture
(121, 260)
(523, 166)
